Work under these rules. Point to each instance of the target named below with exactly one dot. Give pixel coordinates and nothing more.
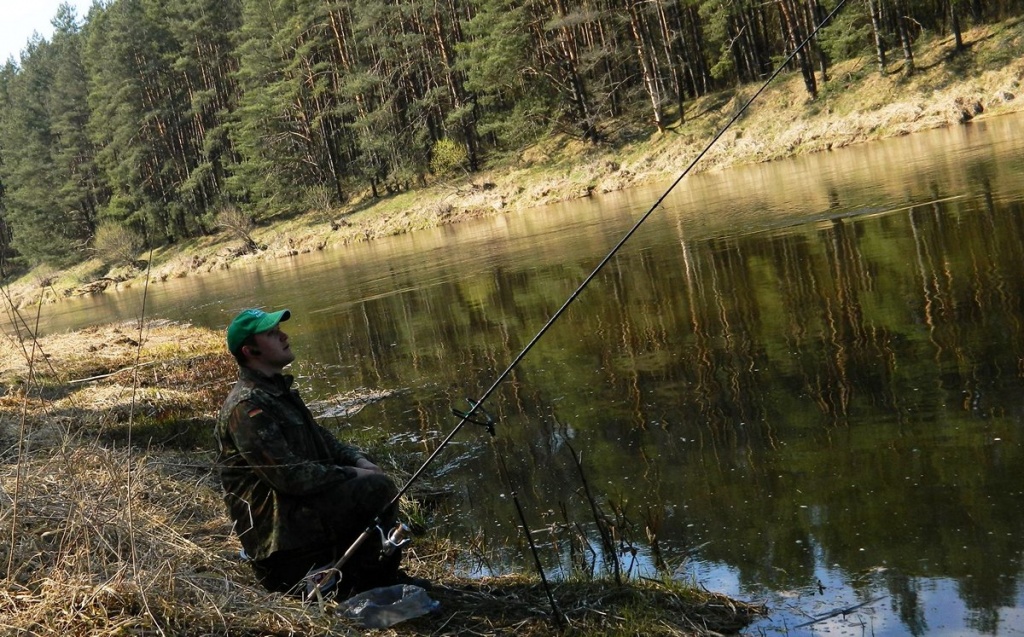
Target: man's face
(272, 348)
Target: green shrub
(447, 156)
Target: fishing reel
(321, 583)
(391, 541)
(487, 421)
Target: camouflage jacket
(275, 461)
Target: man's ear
(251, 350)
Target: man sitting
(298, 496)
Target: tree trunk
(650, 82)
(876, 29)
(904, 32)
(796, 37)
(673, 57)
(453, 79)
(815, 16)
(702, 81)
(569, 65)
(954, 19)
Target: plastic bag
(388, 605)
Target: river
(798, 383)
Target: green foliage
(496, 51)
(447, 157)
(46, 171)
(155, 114)
(849, 35)
(715, 18)
(122, 210)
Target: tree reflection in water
(840, 393)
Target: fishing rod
(318, 580)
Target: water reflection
(826, 407)
(801, 380)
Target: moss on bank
(116, 526)
(857, 105)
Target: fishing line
(476, 405)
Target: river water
(798, 383)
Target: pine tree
(51, 189)
(160, 93)
(81, 188)
(277, 127)
(495, 59)
(204, 65)
(134, 116)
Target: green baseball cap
(252, 321)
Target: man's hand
(362, 473)
(364, 466)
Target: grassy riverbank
(115, 526)
(857, 105)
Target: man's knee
(376, 495)
(371, 491)
(378, 486)
(354, 506)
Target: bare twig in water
(842, 611)
(599, 518)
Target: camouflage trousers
(347, 510)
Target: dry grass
(113, 522)
(97, 350)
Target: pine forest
(145, 122)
